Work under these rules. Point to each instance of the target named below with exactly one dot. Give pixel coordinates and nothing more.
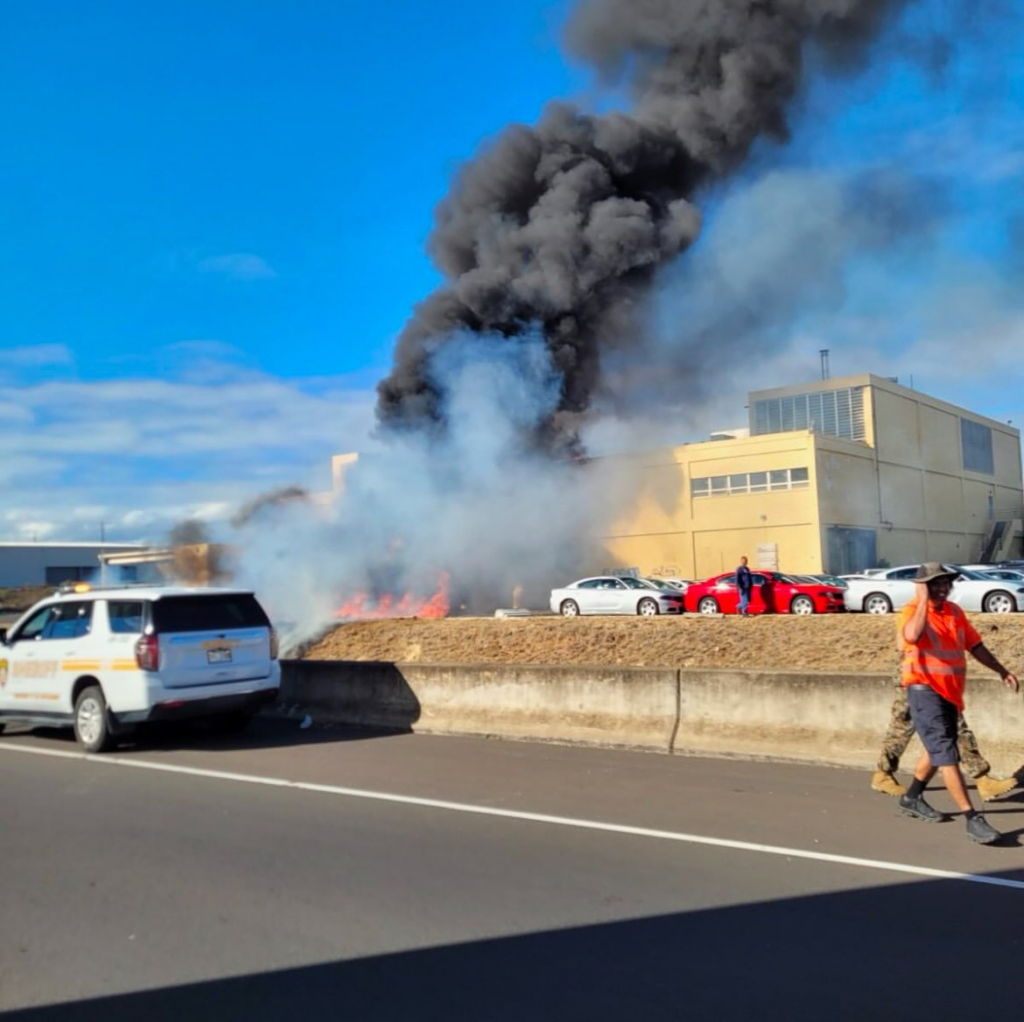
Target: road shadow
(264, 732)
(364, 693)
(914, 950)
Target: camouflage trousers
(901, 730)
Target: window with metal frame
(751, 482)
(837, 413)
(976, 444)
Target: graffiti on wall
(666, 571)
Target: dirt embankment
(842, 642)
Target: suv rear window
(125, 616)
(207, 613)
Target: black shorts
(935, 719)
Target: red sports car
(772, 593)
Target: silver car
(1006, 574)
(880, 591)
(610, 594)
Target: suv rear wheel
(91, 728)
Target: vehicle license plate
(218, 656)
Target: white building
(36, 564)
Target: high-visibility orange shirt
(938, 658)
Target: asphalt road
(338, 874)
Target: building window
(830, 412)
(976, 443)
(751, 482)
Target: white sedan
(610, 594)
(882, 590)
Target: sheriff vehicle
(103, 660)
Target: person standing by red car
(744, 583)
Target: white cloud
(36, 356)
(36, 531)
(140, 454)
(30, 363)
(238, 266)
(12, 414)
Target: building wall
(931, 506)
(28, 564)
(671, 532)
(901, 494)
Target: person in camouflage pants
(897, 738)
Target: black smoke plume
(559, 229)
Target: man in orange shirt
(936, 635)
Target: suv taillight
(147, 653)
(273, 643)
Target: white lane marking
(513, 814)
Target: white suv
(103, 660)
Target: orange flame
(362, 607)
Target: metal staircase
(1003, 540)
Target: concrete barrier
(823, 718)
(804, 717)
(627, 707)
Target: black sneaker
(920, 810)
(980, 830)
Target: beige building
(837, 475)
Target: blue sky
(214, 220)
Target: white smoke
(474, 503)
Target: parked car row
(772, 592)
(990, 589)
(883, 590)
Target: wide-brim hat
(931, 570)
